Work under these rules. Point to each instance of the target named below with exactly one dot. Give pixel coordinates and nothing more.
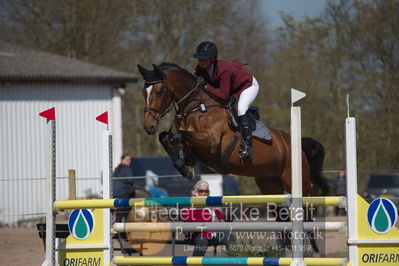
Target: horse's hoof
(190, 173)
(316, 255)
(187, 172)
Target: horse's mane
(173, 66)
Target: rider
(225, 80)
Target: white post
(296, 183)
(351, 186)
(50, 187)
(116, 125)
(106, 173)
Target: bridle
(158, 114)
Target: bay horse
(203, 132)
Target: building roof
(23, 64)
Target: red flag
(103, 118)
(49, 114)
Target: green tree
(123, 33)
(352, 48)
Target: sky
(299, 9)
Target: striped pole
(211, 201)
(177, 260)
(181, 227)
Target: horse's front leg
(172, 145)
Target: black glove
(201, 82)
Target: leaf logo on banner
(81, 223)
(382, 215)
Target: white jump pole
(351, 187)
(296, 183)
(181, 227)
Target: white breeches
(247, 97)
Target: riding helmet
(206, 50)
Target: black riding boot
(246, 133)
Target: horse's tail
(314, 151)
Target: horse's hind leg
(270, 185)
(274, 185)
(309, 217)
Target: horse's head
(164, 84)
(157, 97)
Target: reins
(179, 110)
(151, 111)
(188, 93)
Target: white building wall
(24, 143)
(215, 182)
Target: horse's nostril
(152, 129)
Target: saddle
(258, 128)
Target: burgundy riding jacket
(229, 79)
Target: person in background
(339, 189)
(123, 188)
(203, 239)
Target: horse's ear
(158, 72)
(143, 70)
